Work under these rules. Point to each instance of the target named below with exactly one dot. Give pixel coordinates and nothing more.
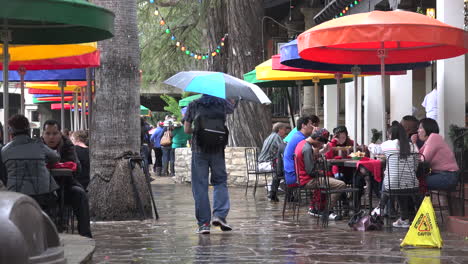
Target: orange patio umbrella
(380, 37)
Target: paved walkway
(259, 236)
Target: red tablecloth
(374, 166)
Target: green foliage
(376, 135)
(456, 132)
(172, 106)
(160, 58)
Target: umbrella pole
(5, 35)
(22, 72)
(77, 110)
(355, 71)
(290, 105)
(382, 53)
(83, 110)
(89, 96)
(62, 99)
(338, 77)
(316, 80)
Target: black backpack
(210, 131)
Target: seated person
(439, 156)
(25, 161)
(306, 152)
(78, 138)
(411, 124)
(340, 139)
(269, 153)
(400, 171)
(270, 146)
(278, 175)
(74, 192)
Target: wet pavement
(259, 236)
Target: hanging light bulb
(182, 49)
(156, 12)
(162, 23)
(222, 44)
(177, 44)
(168, 31)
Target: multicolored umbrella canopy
(86, 60)
(291, 61)
(382, 37)
(251, 77)
(217, 84)
(406, 37)
(265, 72)
(49, 22)
(70, 86)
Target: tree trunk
(251, 122)
(115, 122)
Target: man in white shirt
(430, 103)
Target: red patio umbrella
(380, 37)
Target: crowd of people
(411, 144)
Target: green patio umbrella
(187, 100)
(49, 22)
(144, 111)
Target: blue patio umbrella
(290, 57)
(217, 84)
(48, 75)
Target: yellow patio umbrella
(48, 86)
(41, 52)
(265, 72)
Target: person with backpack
(209, 138)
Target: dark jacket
(25, 161)
(67, 152)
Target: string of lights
(347, 8)
(179, 45)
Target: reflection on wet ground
(260, 236)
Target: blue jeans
(442, 180)
(202, 163)
(168, 158)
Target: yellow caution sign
(424, 231)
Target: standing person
(167, 150)
(430, 103)
(74, 192)
(269, 153)
(78, 138)
(156, 142)
(305, 126)
(145, 142)
(209, 138)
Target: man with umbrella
(208, 115)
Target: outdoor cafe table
(351, 163)
(62, 176)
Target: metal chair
(324, 186)
(405, 184)
(251, 162)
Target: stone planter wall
(235, 166)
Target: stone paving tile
(259, 236)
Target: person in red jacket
(305, 157)
(340, 139)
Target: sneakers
(203, 229)
(401, 223)
(334, 217)
(218, 221)
(376, 211)
(314, 212)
